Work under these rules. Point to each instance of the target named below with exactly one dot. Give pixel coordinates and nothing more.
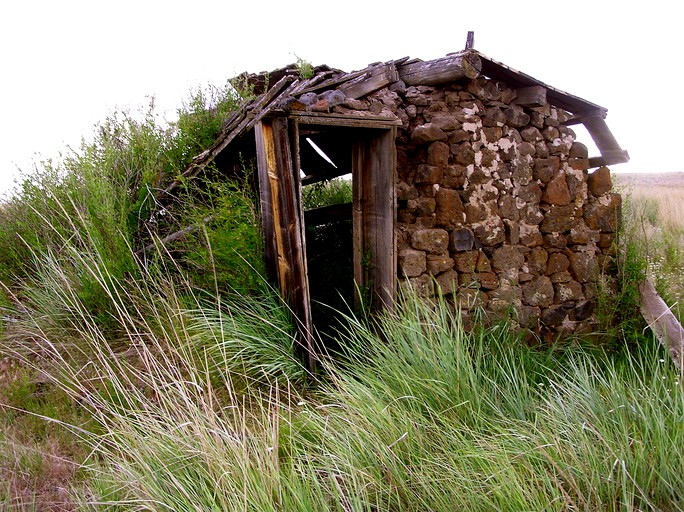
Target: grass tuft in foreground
(418, 414)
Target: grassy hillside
(170, 381)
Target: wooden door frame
(374, 211)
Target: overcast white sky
(66, 64)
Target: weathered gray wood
(578, 118)
(470, 40)
(281, 219)
(360, 120)
(609, 158)
(181, 233)
(374, 205)
(439, 71)
(331, 82)
(601, 134)
(532, 96)
(376, 78)
(611, 152)
(662, 322)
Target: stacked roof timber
(280, 91)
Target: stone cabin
(467, 181)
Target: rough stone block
(507, 257)
(427, 133)
(447, 282)
(556, 191)
(567, 292)
(558, 262)
(538, 292)
(461, 240)
(429, 174)
(434, 241)
(438, 263)
(449, 208)
(599, 182)
(466, 262)
(558, 219)
(438, 154)
(412, 263)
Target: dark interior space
(327, 196)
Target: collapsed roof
(290, 90)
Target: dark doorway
(343, 145)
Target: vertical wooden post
(282, 224)
(374, 170)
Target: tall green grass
(191, 396)
(417, 415)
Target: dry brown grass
(664, 191)
(38, 458)
(654, 219)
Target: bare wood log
(579, 117)
(331, 82)
(359, 119)
(181, 233)
(440, 71)
(609, 158)
(662, 322)
(533, 96)
(606, 143)
(378, 77)
(470, 40)
(281, 221)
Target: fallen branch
(182, 233)
(662, 322)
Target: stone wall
(496, 206)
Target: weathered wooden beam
(361, 120)
(439, 71)
(662, 322)
(181, 233)
(532, 96)
(609, 158)
(281, 222)
(611, 152)
(374, 212)
(376, 78)
(579, 117)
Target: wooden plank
(440, 71)
(611, 152)
(532, 96)
(346, 120)
(609, 158)
(283, 230)
(374, 214)
(601, 134)
(377, 77)
(332, 82)
(579, 117)
(662, 322)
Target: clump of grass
(418, 414)
(655, 234)
(328, 192)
